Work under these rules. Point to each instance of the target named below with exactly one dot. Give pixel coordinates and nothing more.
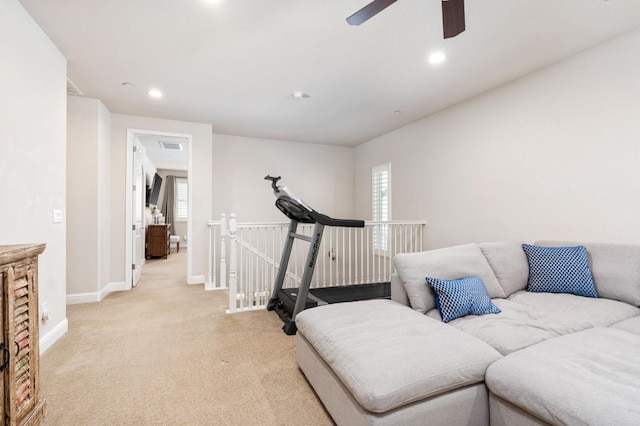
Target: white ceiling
(162, 158)
(235, 64)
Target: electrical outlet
(44, 308)
(185, 238)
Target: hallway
(167, 353)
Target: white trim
(128, 249)
(196, 279)
(212, 286)
(128, 208)
(116, 286)
(94, 297)
(79, 298)
(190, 218)
(53, 335)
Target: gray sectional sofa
(545, 358)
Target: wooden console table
(158, 240)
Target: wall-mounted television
(154, 191)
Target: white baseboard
(117, 286)
(53, 335)
(212, 286)
(78, 298)
(196, 279)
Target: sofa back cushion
(448, 264)
(509, 264)
(615, 269)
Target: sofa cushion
(568, 313)
(559, 270)
(447, 263)
(586, 378)
(509, 264)
(631, 325)
(516, 327)
(529, 318)
(615, 269)
(389, 355)
(461, 297)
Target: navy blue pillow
(461, 297)
(559, 270)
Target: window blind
(381, 197)
(182, 199)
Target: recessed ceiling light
(299, 94)
(437, 57)
(125, 84)
(155, 93)
(213, 1)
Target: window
(182, 199)
(381, 196)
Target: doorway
(152, 157)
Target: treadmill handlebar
(280, 191)
(296, 210)
(274, 181)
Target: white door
(138, 234)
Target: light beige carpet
(165, 353)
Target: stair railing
(347, 256)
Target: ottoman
(174, 240)
(378, 362)
(587, 378)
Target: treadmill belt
(338, 294)
(353, 292)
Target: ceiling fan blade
(452, 17)
(369, 11)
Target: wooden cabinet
(158, 241)
(20, 348)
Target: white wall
(88, 142)
(201, 190)
(552, 155)
(321, 175)
(32, 162)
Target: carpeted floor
(165, 353)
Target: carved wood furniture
(158, 240)
(20, 349)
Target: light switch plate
(57, 216)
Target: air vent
(170, 145)
(72, 89)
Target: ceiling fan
(452, 15)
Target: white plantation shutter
(381, 197)
(182, 199)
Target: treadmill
(290, 302)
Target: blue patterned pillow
(559, 270)
(461, 297)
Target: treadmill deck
(338, 294)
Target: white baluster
(223, 251)
(343, 258)
(233, 279)
(210, 284)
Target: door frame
(128, 251)
(142, 232)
